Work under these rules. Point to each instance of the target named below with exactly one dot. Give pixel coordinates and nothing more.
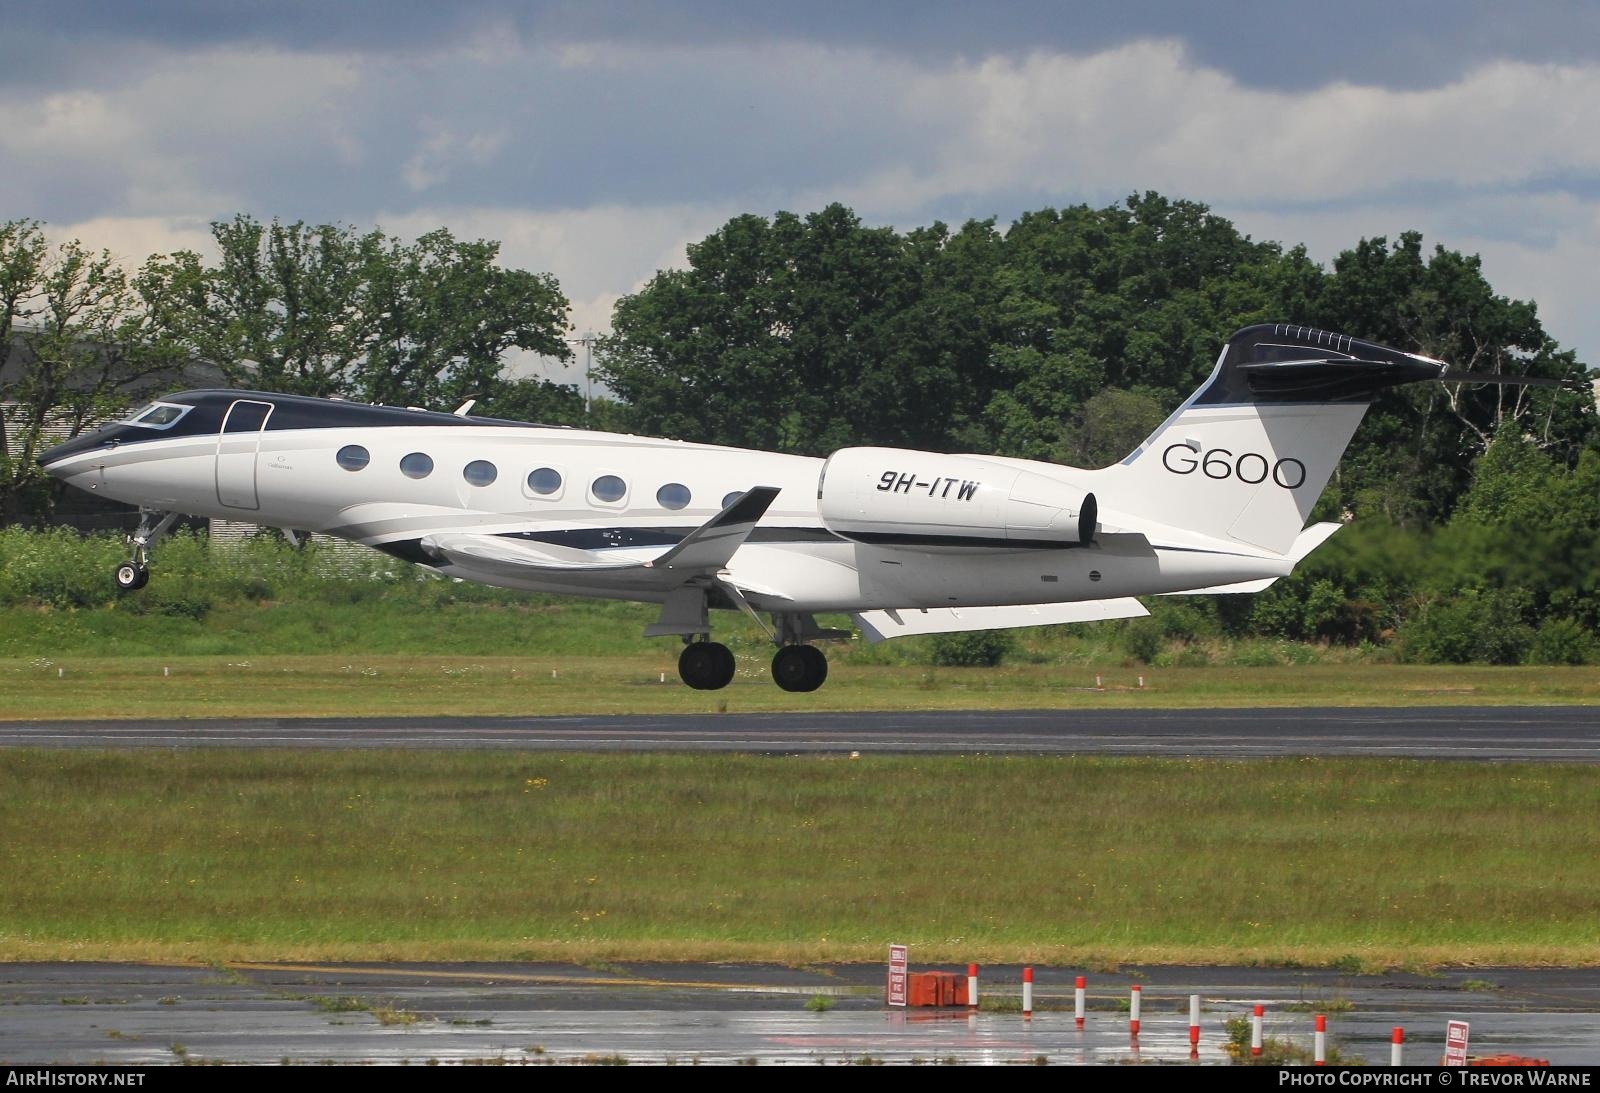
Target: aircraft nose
(55, 460)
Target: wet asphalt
(551, 1014)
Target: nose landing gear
(134, 574)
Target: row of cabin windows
(544, 481)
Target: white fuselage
(293, 479)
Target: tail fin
(1248, 454)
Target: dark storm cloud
(1261, 43)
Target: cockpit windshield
(157, 415)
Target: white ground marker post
(1395, 1048)
(1133, 1012)
(1194, 1024)
(1319, 1042)
(1255, 1029)
(1027, 993)
(1077, 1001)
(972, 986)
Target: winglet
(710, 546)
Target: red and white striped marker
(1194, 1022)
(972, 984)
(1255, 1029)
(1027, 992)
(1077, 1001)
(1320, 1042)
(1395, 1048)
(1133, 1012)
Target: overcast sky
(595, 140)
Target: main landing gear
(709, 666)
(799, 667)
(706, 665)
(134, 574)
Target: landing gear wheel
(706, 665)
(799, 668)
(132, 576)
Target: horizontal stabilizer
(881, 625)
(1307, 541)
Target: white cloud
(600, 162)
(132, 239)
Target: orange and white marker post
(1133, 1012)
(1078, 1000)
(1320, 1042)
(1027, 992)
(1255, 1029)
(1194, 1023)
(972, 985)
(1396, 1050)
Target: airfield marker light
(972, 969)
(1320, 1042)
(1194, 1023)
(1098, 685)
(663, 677)
(1395, 1048)
(1133, 1012)
(1077, 1001)
(165, 672)
(61, 673)
(1255, 1029)
(1027, 993)
(1141, 681)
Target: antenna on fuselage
(461, 411)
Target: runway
(547, 1014)
(1569, 734)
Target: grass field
(302, 686)
(233, 855)
(215, 855)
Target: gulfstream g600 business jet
(906, 542)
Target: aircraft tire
(706, 665)
(799, 668)
(131, 576)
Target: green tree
(1136, 297)
(75, 338)
(534, 400)
(806, 334)
(1108, 426)
(1412, 458)
(440, 314)
(328, 310)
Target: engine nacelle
(896, 497)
